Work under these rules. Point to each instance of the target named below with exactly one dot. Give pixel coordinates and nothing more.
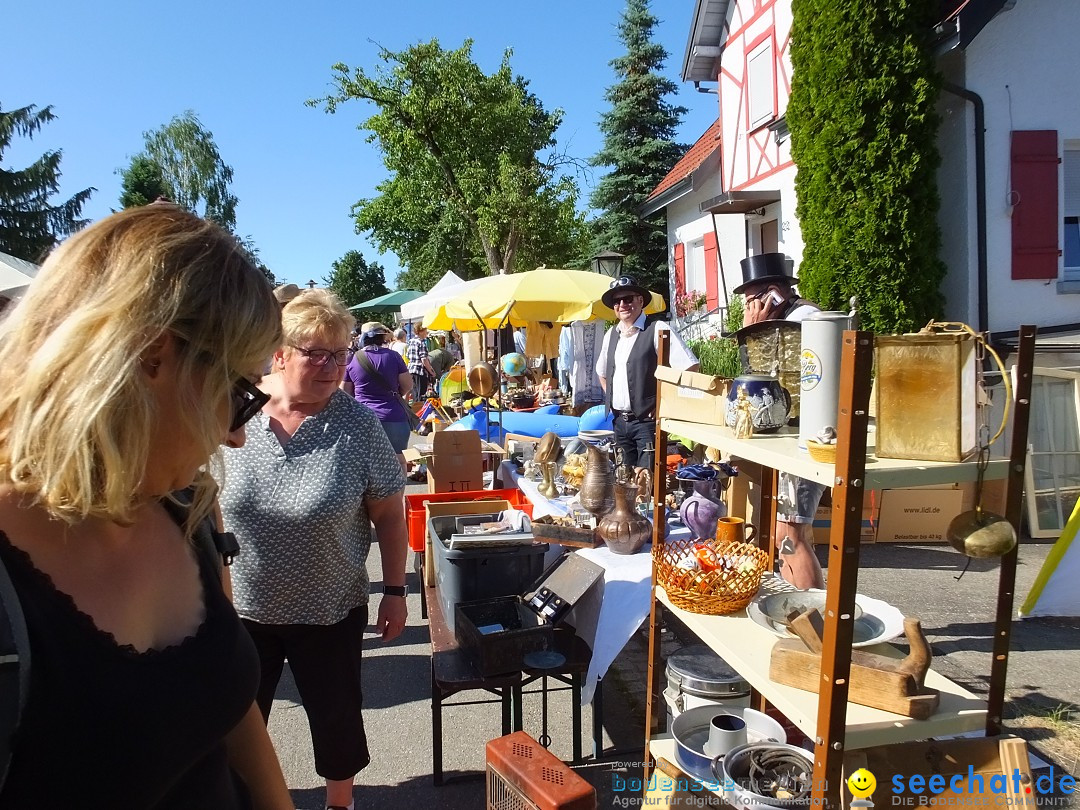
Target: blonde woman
(301, 496)
(141, 677)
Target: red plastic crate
(415, 513)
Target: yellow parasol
(545, 294)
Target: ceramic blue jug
(770, 402)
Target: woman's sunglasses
(247, 400)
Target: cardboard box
(918, 515)
(870, 517)
(525, 445)
(993, 497)
(455, 460)
(693, 397)
(456, 463)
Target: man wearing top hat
(768, 288)
(626, 367)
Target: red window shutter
(1035, 219)
(680, 269)
(712, 292)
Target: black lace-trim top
(111, 727)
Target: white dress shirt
(679, 356)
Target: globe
(514, 364)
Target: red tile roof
(708, 143)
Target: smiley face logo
(862, 784)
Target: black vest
(640, 371)
(792, 305)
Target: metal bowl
(778, 606)
(690, 731)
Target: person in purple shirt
(380, 383)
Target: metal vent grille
(522, 750)
(553, 776)
(501, 795)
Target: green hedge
(863, 133)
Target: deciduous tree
(29, 224)
(475, 181)
(192, 168)
(639, 148)
(354, 280)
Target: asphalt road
(920, 580)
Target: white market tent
(15, 275)
(447, 287)
(1054, 592)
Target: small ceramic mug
(734, 530)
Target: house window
(1053, 470)
(1071, 213)
(695, 266)
(760, 85)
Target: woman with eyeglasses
(301, 497)
(140, 682)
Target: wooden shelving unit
(826, 717)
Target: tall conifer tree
(29, 224)
(639, 147)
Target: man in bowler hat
(626, 367)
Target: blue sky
(115, 69)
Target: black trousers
(635, 440)
(325, 663)
(421, 383)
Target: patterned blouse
(298, 512)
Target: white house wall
(750, 157)
(753, 161)
(1024, 65)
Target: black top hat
(624, 284)
(765, 267)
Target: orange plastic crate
(415, 513)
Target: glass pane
(1072, 242)
(1055, 458)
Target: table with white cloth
(611, 612)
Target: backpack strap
(14, 668)
(216, 548)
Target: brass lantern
(927, 395)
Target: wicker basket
(825, 453)
(726, 589)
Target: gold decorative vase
(597, 493)
(624, 529)
(547, 487)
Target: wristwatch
(395, 590)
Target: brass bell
(981, 534)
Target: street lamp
(608, 263)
